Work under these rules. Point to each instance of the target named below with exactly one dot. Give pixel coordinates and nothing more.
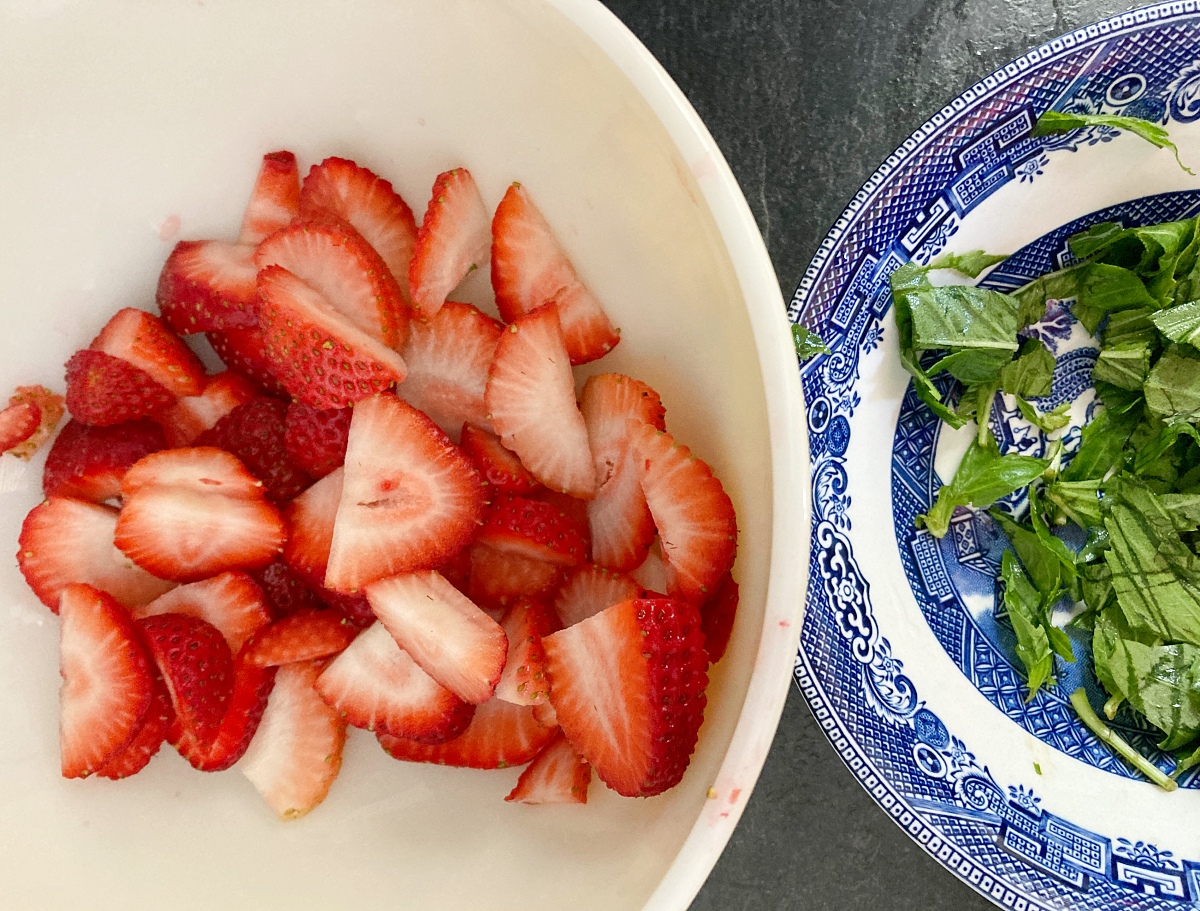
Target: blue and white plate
(901, 658)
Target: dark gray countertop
(806, 98)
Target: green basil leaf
(970, 264)
(1031, 374)
(955, 317)
(1125, 365)
(1162, 682)
(807, 342)
(1180, 324)
(1045, 421)
(1022, 604)
(1078, 501)
(1153, 133)
(982, 478)
(1102, 446)
(1172, 387)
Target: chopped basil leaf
(807, 342)
(1153, 133)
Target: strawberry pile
(389, 510)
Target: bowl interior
(129, 126)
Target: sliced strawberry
(557, 775)
(18, 423)
(254, 432)
(208, 285)
(628, 687)
(89, 462)
(197, 666)
(335, 261)
(103, 390)
(448, 358)
(375, 684)
(692, 512)
(455, 238)
(717, 616)
(192, 513)
(284, 590)
(355, 608)
(531, 528)
(143, 340)
(275, 200)
(297, 752)
(524, 680)
(50, 404)
(531, 399)
(651, 575)
(530, 269)
(151, 734)
(315, 438)
(248, 700)
(500, 735)
(543, 714)
(65, 540)
(589, 589)
(498, 578)
(621, 525)
(369, 203)
(301, 636)
(453, 641)
(107, 686)
(410, 498)
(244, 351)
(317, 355)
(192, 415)
(310, 519)
(232, 602)
(457, 570)
(497, 466)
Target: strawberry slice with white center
(50, 404)
(524, 681)
(497, 579)
(232, 602)
(104, 390)
(376, 685)
(88, 462)
(455, 238)
(150, 736)
(499, 467)
(499, 736)
(252, 686)
(621, 525)
(143, 340)
(557, 775)
(318, 355)
(589, 589)
(448, 359)
(244, 351)
(410, 498)
(692, 512)
(453, 641)
(530, 397)
(297, 753)
(310, 519)
(192, 415)
(534, 529)
(301, 636)
(208, 285)
(333, 259)
(192, 513)
(275, 200)
(64, 540)
(627, 686)
(531, 269)
(18, 423)
(107, 684)
(197, 667)
(370, 205)
(717, 615)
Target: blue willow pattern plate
(902, 659)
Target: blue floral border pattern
(996, 838)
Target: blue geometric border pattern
(997, 838)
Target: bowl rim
(788, 439)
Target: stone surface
(806, 98)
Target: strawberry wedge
(375, 684)
(454, 239)
(208, 285)
(453, 641)
(628, 687)
(301, 636)
(410, 498)
(557, 775)
(232, 602)
(89, 462)
(275, 200)
(143, 340)
(531, 269)
(531, 399)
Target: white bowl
(125, 125)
